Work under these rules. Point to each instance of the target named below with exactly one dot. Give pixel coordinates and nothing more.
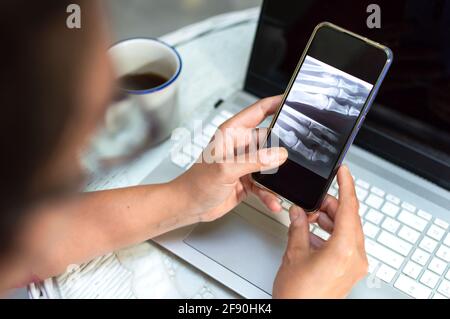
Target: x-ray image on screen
(319, 114)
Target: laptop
(400, 159)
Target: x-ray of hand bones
(308, 130)
(317, 87)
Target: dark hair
(39, 70)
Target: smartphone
(324, 105)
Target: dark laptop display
(409, 123)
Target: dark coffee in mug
(147, 101)
(141, 81)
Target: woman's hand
(221, 180)
(96, 223)
(314, 268)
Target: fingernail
(273, 156)
(294, 213)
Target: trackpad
(243, 247)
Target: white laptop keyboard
(407, 248)
(186, 153)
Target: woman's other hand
(314, 268)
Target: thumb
(263, 159)
(298, 241)
(347, 222)
(347, 215)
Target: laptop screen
(409, 123)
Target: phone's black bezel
(292, 177)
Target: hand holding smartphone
(325, 103)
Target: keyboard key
(321, 233)
(226, 114)
(382, 253)
(374, 216)
(447, 275)
(409, 234)
(370, 230)
(420, 256)
(444, 288)
(374, 201)
(373, 264)
(362, 209)
(441, 223)
(385, 273)
(412, 287)
(412, 269)
(428, 244)
(394, 243)
(218, 120)
(393, 199)
(424, 214)
(202, 140)
(196, 150)
(409, 207)
(333, 192)
(362, 183)
(437, 265)
(390, 209)
(430, 279)
(435, 232)
(192, 150)
(377, 191)
(181, 160)
(447, 240)
(444, 253)
(209, 130)
(390, 224)
(361, 193)
(286, 205)
(412, 220)
(438, 296)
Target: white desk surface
(215, 55)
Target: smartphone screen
(326, 101)
(318, 115)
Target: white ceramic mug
(158, 105)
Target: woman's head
(55, 83)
